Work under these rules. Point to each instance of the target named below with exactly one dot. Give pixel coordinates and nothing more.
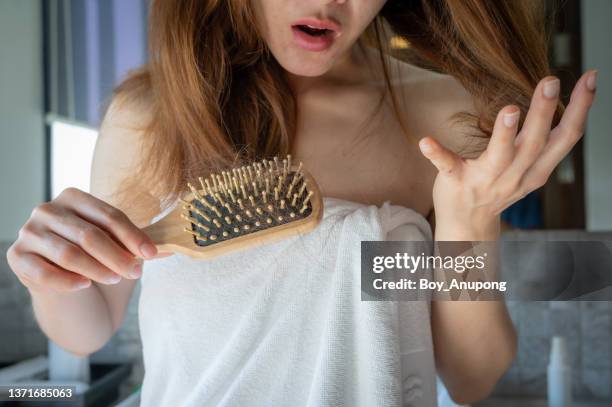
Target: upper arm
(117, 155)
(432, 102)
(456, 135)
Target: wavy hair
(218, 96)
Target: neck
(349, 68)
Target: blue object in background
(526, 213)
(96, 44)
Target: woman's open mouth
(315, 35)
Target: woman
(232, 80)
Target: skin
(341, 136)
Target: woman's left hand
(470, 194)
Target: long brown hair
(218, 96)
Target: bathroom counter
(533, 402)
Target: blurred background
(59, 61)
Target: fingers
(574, 118)
(533, 136)
(443, 159)
(92, 241)
(524, 162)
(500, 151)
(111, 220)
(68, 256)
(536, 128)
(36, 272)
(541, 111)
(76, 239)
(566, 134)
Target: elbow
(84, 344)
(472, 391)
(80, 354)
(88, 344)
(92, 347)
(479, 385)
(470, 396)
(82, 348)
(77, 350)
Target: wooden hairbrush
(240, 208)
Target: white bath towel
(283, 324)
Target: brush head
(236, 208)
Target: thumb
(442, 158)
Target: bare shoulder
(431, 101)
(118, 154)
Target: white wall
(597, 53)
(21, 113)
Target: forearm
(469, 193)
(475, 341)
(79, 322)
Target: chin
(307, 70)
(306, 66)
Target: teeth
(315, 31)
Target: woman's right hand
(75, 239)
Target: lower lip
(312, 43)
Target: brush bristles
(246, 200)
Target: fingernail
(148, 250)
(136, 271)
(426, 147)
(551, 88)
(591, 82)
(510, 119)
(114, 279)
(82, 284)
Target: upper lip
(319, 24)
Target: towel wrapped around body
(283, 324)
